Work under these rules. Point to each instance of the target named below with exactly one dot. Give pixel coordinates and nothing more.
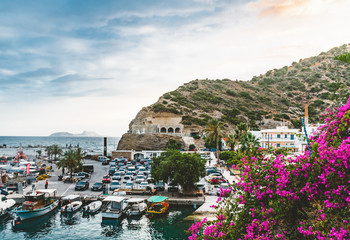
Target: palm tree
(231, 141)
(39, 152)
(71, 160)
(56, 150)
(249, 143)
(215, 133)
(48, 150)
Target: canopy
(114, 199)
(157, 199)
(49, 191)
(135, 200)
(71, 197)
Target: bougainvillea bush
(304, 197)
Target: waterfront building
(282, 137)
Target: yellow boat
(157, 206)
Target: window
(278, 135)
(292, 137)
(278, 145)
(285, 135)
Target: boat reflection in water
(36, 226)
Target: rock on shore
(147, 141)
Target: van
(88, 168)
(102, 158)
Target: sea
(9, 145)
(55, 226)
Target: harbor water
(92, 145)
(55, 226)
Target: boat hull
(112, 215)
(26, 214)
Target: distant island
(67, 134)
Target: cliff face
(263, 102)
(141, 142)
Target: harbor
(183, 210)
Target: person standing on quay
(46, 184)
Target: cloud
(287, 7)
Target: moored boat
(157, 206)
(5, 206)
(71, 207)
(136, 207)
(92, 207)
(37, 203)
(116, 207)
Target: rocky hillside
(263, 102)
(278, 95)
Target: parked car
(117, 176)
(215, 174)
(81, 174)
(127, 178)
(81, 186)
(114, 185)
(97, 186)
(217, 180)
(223, 186)
(144, 185)
(140, 178)
(159, 186)
(105, 162)
(200, 186)
(172, 187)
(129, 185)
(106, 179)
(111, 171)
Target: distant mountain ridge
(68, 134)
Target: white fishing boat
(136, 207)
(5, 205)
(69, 199)
(37, 203)
(71, 207)
(92, 207)
(116, 207)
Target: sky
(92, 65)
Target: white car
(140, 178)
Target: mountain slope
(263, 102)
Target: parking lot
(64, 189)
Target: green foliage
(72, 160)
(296, 123)
(245, 95)
(231, 93)
(202, 95)
(191, 147)
(173, 144)
(183, 169)
(188, 120)
(343, 57)
(226, 155)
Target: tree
(71, 160)
(56, 150)
(231, 141)
(48, 151)
(214, 132)
(184, 169)
(173, 144)
(39, 152)
(249, 143)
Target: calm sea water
(31, 144)
(54, 226)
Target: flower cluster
(304, 197)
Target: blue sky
(92, 65)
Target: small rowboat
(92, 207)
(71, 207)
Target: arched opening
(138, 156)
(170, 130)
(177, 130)
(163, 130)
